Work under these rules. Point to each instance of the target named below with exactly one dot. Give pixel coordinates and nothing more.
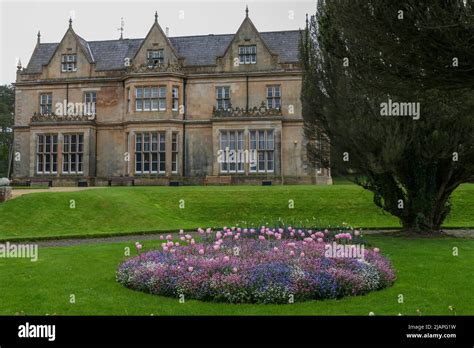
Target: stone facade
(161, 108)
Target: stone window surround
(246, 146)
(130, 148)
(60, 132)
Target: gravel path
(459, 233)
(20, 192)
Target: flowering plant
(256, 265)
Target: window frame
(174, 98)
(239, 144)
(78, 153)
(174, 152)
(265, 154)
(43, 154)
(48, 104)
(248, 54)
(272, 97)
(223, 97)
(149, 98)
(66, 62)
(160, 58)
(93, 103)
(151, 152)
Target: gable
(155, 40)
(70, 44)
(248, 35)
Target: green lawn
(137, 209)
(430, 279)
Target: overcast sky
(20, 21)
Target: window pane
(146, 92)
(270, 140)
(261, 140)
(146, 104)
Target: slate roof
(197, 50)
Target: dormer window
(248, 54)
(155, 57)
(69, 62)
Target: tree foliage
(357, 55)
(7, 109)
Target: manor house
(157, 110)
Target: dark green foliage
(406, 51)
(7, 107)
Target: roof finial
(39, 36)
(70, 22)
(122, 24)
(247, 11)
(156, 16)
(18, 65)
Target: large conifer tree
(361, 60)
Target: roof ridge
(175, 37)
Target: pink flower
(176, 244)
(181, 231)
(190, 268)
(261, 237)
(356, 233)
(182, 238)
(201, 251)
(376, 250)
(169, 237)
(165, 248)
(302, 254)
(234, 269)
(275, 249)
(292, 252)
(320, 240)
(216, 247)
(139, 247)
(226, 258)
(161, 237)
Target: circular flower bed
(267, 265)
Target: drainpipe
(184, 126)
(281, 155)
(247, 90)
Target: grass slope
(430, 279)
(134, 209)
